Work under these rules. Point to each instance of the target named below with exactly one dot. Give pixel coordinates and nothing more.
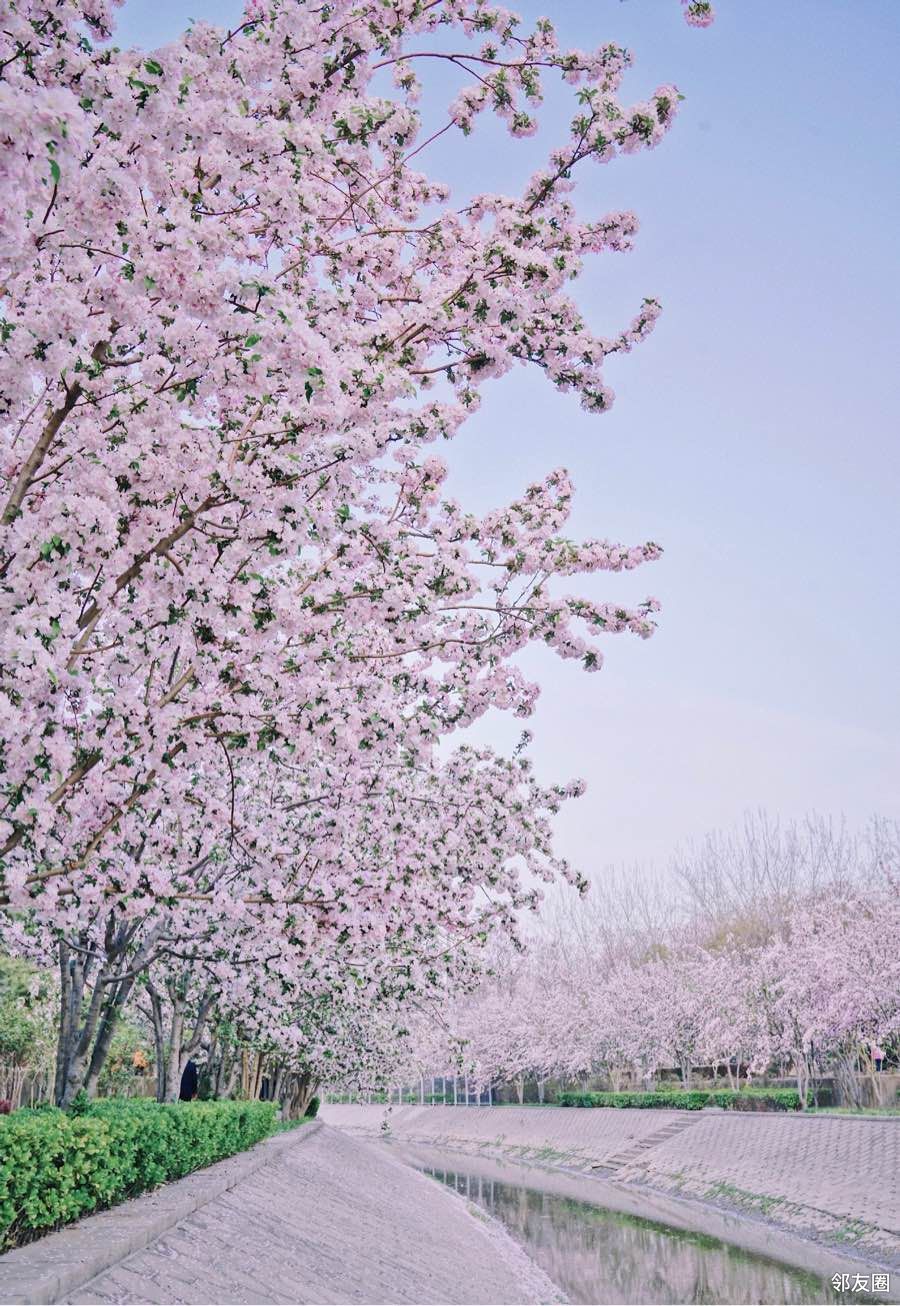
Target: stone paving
(585, 1136)
(333, 1220)
(850, 1168)
(833, 1179)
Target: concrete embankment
(831, 1183)
(323, 1218)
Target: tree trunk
(848, 1082)
(299, 1094)
(174, 1049)
(231, 1078)
(80, 1041)
(802, 1070)
(112, 1010)
(220, 1078)
(307, 1095)
(159, 1041)
(257, 1076)
(277, 1081)
(174, 1067)
(108, 974)
(67, 1000)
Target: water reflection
(597, 1255)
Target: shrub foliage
(747, 1099)
(57, 1166)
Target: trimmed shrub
(312, 1110)
(685, 1101)
(763, 1099)
(745, 1099)
(56, 1167)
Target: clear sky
(755, 434)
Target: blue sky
(754, 434)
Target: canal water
(599, 1255)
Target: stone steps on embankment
(833, 1179)
(634, 1153)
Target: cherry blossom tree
(832, 984)
(409, 873)
(735, 1034)
(239, 611)
(815, 996)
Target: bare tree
(747, 880)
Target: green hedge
(57, 1166)
(746, 1099)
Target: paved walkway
(334, 1219)
(832, 1179)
